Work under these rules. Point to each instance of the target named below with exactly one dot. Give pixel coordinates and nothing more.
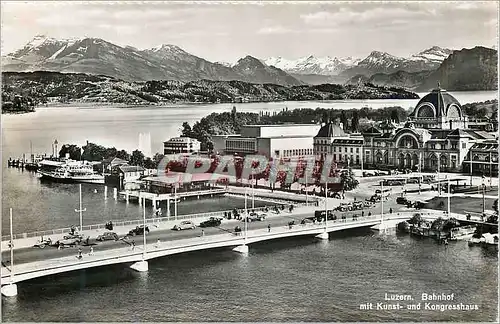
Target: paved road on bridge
(32, 254)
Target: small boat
(474, 241)
(462, 233)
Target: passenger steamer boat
(69, 171)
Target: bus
(393, 182)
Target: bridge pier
(141, 266)
(243, 249)
(322, 236)
(9, 290)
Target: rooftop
(281, 125)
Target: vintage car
(211, 222)
(139, 230)
(107, 236)
(184, 225)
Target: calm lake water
(287, 280)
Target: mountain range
(376, 62)
(466, 69)
(164, 62)
(455, 69)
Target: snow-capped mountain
(381, 62)
(97, 56)
(254, 68)
(312, 65)
(434, 54)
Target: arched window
(407, 141)
(425, 111)
(453, 112)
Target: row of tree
(273, 173)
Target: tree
(75, 153)
(186, 130)
(395, 116)
(437, 224)
(355, 121)
(233, 117)
(343, 120)
(137, 158)
(157, 159)
(416, 219)
(149, 164)
(122, 154)
(348, 181)
(93, 152)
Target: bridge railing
(119, 223)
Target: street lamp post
(81, 210)
(144, 230)
(11, 250)
(449, 196)
(10, 290)
(419, 172)
(470, 153)
(490, 170)
(307, 187)
(175, 201)
(253, 196)
(246, 218)
(382, 204)
(326, 203)
(438, 184)
(362, 157)
(484, 201)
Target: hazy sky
(221, 31)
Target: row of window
(345, 157)
(174, 150)
(240, 145)
(338, 149)
(297, 152)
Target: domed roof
(330, 130)
(436, 104)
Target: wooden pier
(169, 197)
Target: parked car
(344, 207)
(413, 180)
(255, 217)
(184, 225)
(368, 203)
(139, 230)
(320, 215)
(68, 242)
(211, 222)
(357, 205)
(402, 200)
(43, 244)
(108, 236)
(70, 236)
(307, 220)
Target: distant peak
(167, 47)
(378, 53)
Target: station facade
(436, 137)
